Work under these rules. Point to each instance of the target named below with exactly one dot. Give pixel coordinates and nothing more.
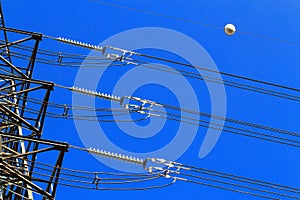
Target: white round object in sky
(229, 29)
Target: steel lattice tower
(21, 122)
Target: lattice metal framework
(21, 122)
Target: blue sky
(243, 54)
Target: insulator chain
(141, 106)
(116, 156)
(133, 104)
(81, 44)
(111, 56)
(95, 93)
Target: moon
(229, 29)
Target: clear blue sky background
(241, 54)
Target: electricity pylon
(22, 121)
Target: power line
(16, 164)
(140, 106)
(203, 68)
(148, 12)
(136, 108)
(194, 175)
(166, 168)
(127, 61)
(158, 168)
(92, 180)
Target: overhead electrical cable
(194, 22)
(124, 60)
(159, 168)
